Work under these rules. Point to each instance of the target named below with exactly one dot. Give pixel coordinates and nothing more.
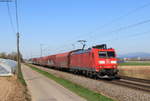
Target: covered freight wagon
(62, 60)
(82, 59)
(51, 61)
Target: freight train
(98, 61)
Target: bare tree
(12, 56)
(3, 55)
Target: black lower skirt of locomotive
(107, 73)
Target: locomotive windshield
(106, 54)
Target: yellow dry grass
(142, 72)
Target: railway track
(129, 82)
(136, 79)
(134, 83)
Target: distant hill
(135, 55)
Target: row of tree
(12, 56)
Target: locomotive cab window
(106, 54)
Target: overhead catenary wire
(128, 26)
(129, 36)
(118, 18)
(111, 22)
(121, 17)
(116, 39)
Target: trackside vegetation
(26, 93)
(79, 90)
(21, 79)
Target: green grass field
(79, 90)
(135, 64)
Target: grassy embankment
(79, 90)
(22, 81)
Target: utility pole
(41, 48)
(18, 36)
(18, 56)
(18, 42)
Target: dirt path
(44, 89)
(11, 89)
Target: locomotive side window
(102, 54)
(106, 54)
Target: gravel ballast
(116, 92)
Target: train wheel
(91, 75)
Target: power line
(17, 20)
(10, 17)
(18, 41)
(18, 35)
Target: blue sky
(57, 24)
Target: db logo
(107, 61)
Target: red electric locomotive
(96, 61)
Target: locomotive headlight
(101, 62)
(113, 62)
